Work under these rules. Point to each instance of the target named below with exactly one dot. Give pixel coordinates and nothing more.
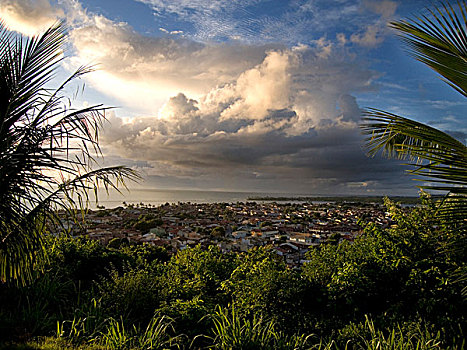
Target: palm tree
(439, 41)
(46, 148)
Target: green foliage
(80, 259)
(84, 261)
(367, 336)
(261, 284)
(155, 336)
(188, 315)
(94, 331)
(46, 149)
(87, 323)
(399, 277)
(133, 295)
(32, 308)
(439, 41)
(197, 273)
(66, 289)
(231, 332)
(115, 336)
(190, 286)
(144, 254)
(145, 222)
(436, 156)
(403, 272)
(359, 278)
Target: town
(291, 229)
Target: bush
(133, 295)
(230, 331)
(262, 284)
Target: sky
(247, 95)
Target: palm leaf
(440, 42)
(434, 154)
(47, 149)
(435, 157)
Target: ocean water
(158, 197)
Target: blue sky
(254, 95)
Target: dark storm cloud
(459, 135)
(269, 127)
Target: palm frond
(440, 42)
(28, 64)
(435, 157)
(434, 154)
(453, 212)
(21, 248)
(47, 149)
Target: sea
(156, 197)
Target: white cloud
(292, 116)
(189, 7)
(212, 19)
(173, 32)
(292, 22)
(145, 71)
(262, 88)
(375, 33)
(228, 112)
(385, 8)
(28, 17)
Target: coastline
(156, 197)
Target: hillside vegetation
(392, 288)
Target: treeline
(396, 288)
(341, 199)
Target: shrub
(133, 295)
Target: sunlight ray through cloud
(264, 94)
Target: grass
(231, 332)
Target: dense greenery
(47, 148)
(440, 42)
(392, 286)
(436, 158)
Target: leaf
(440, 42)
(47, 149)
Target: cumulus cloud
(231, 114)
(28, 17)
(290, 121)
(350, 111)
(260, 89)
(375, 33)
(145, 71)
